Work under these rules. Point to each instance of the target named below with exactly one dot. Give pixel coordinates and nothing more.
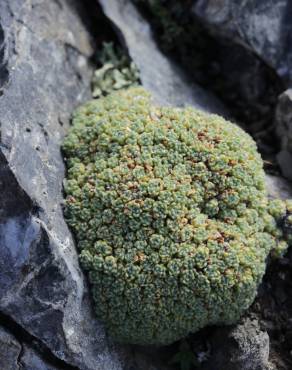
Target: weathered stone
(44, 74)
(31, 360)
(243, 347)
(3, 61)
(278, 187)
(162, 77)
(283, 123)
(10, 350)
(284, 158)
(261, 26)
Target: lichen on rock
(171, 216)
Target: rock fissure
(20, 355)
(25, 338)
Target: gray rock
(243, 347)
(262, 26)
(31, 360)
(44, 74)
(10, 350)
(15, 355)
(278, 187)
(161, 76)
(284, 158)
(283, 123)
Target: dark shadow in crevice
(94, 20)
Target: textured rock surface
(166, 81)
(10, 350)
(278, 187)
(14, 355)
(31, 360)
(262, 26)
(244, 347)
(44, 74)
(283, 123)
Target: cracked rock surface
(10, 351)
(283, 123)
(243, 347)
(261, 26)
(31, 360)
(16, 356)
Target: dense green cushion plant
(171, 216)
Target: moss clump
(171, 216)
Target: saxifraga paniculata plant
(171, 215)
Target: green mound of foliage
(171, 216)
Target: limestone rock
(243, 347)
(261, 26)
(283, 125)
(10, 350)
